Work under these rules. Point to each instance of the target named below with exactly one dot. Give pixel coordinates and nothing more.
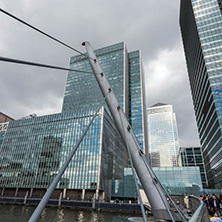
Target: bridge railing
(194, 208)
(199, 210)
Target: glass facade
(201, 27)
(136, 97)
(2, 134)
(125, 74)
(193, 156)
(82, 90)
(125, 189)
(179, 180)
(34, 150)
(163, 142)
(176, 180)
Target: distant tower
(163, 142)
(201, 28)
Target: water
(19, 213)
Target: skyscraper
(124, 72)
(201, 28)
(163, 142)
(82, 90)
(34, 148)
(193, 156)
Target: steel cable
(5, 59)
(40, 31)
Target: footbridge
(164, 207)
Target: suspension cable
(5, 59)
(40, 31)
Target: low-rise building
(34, 149)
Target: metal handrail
(201, 213)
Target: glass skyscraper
(34, 148)
(162, 136)
(201, 28)
(124, 72)
(82, 90)
(136, 102)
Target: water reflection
(20, 213)
(60, 214)
(80, 216)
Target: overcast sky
(149, 25)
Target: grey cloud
(152, 26)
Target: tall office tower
(125, 74)
(193, 156)
(201, 28)
(137, 106)
(163, 142)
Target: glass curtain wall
(162, 136)
(201, 27)
(34, 150)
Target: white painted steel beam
(152, 188)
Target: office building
(3, 126)
(5, 118)
(124, 72)
(34, 149)
(193, 156)
(163, 142)
(201, 28)
(2, 134)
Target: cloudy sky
(149, 25)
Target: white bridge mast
(153, 190)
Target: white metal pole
(155, 195)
